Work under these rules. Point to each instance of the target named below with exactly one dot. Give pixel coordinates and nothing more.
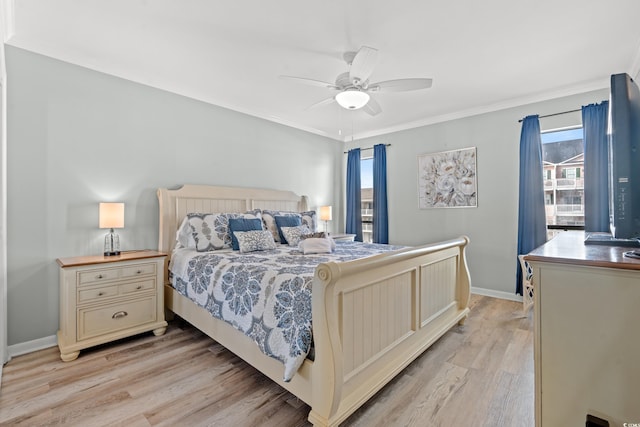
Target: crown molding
(511, 103)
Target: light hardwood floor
(479, 374)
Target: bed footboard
(372, 317)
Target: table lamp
(325, 215)
(111, 216)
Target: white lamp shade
(352, 99)
(325, 213)
(111, 215)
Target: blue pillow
(286, 221)
(242, 224)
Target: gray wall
(492, 226)
(77, 137)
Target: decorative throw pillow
(257, 213)
(242, 224)
(255, 240)
(286, 221)
(268, 217)
(210, 231)
(184, 238)
(316, 235)
(293, 234)
(310, 219)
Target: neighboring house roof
(560, 152)
(366, 194)
(575, 160)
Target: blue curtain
(532, 222)
(354, 218)
(596, 167)
(380, 218)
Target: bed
(371, 317)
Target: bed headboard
(174, 205)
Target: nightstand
(343, 236)
(105, 298)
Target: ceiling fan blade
(310, 82)
(321, 103)
(400, 85)
(363, 64)
(372, 107)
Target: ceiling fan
(353, 86)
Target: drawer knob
(139, 272)
(99, 276)
(100, 294)
(139, 287)
(119, 314)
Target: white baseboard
(496, 294)
(31, 346)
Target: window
(563, 159)
(366, 196)
(571, 173)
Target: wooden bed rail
(354, 267)
(372, 317)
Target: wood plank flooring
(479, 374)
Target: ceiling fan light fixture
(352, 99)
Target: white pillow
(317, 245)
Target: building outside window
(366, 196)
(563, 174)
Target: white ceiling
(482, 55)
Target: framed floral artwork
(448, 179)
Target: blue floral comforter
(266, 295)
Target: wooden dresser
(107, 298)
(586, 332)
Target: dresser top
(102, 259)
(568, 248)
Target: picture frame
(448, 179)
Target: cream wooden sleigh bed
(371, 317)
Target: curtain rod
(555, 114)
(365, 149)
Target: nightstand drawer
(101, 320)
(139, 286)
(97, 294)
(97, 276)
(138, 270)
(103, 275)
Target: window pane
(563, 163)
(366, 195)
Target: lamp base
(111, 244)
